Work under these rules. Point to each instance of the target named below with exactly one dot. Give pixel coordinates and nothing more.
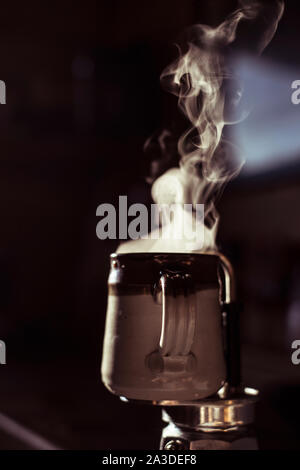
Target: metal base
(224, 424)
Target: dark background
(83, 94)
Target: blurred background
(83, 95)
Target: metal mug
(163, 336)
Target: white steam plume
(210, 97)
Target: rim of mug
(163, 253)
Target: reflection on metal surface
(216, 414)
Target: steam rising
(210, 96)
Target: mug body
(163, 336)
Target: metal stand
(223, 424)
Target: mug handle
(178, 314)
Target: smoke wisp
(210, 96)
